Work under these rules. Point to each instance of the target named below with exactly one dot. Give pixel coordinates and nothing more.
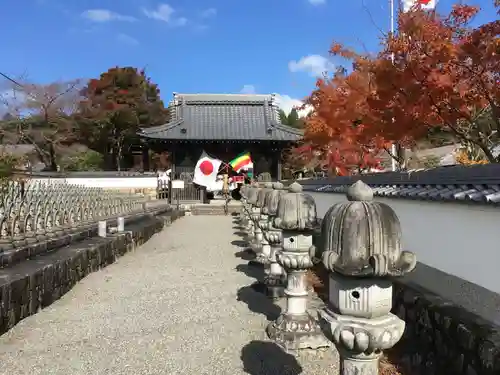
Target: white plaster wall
(112, 182)
(462, 240)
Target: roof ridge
(229, 98)
(289, 129)
(177, 94)
(161, 128)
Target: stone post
(362, 250)
(260, 245)
(275, 277)
(120, 224)
(102, 228)
(296, 217)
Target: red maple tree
(444, 73)
(115, 107)
(436, 72)
(337, 134)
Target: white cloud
(287, 103)
(105, 15)
(315, 65)
(317, 2)
(210, 12)
(127, 39)
(248, 89)
(182, 21)
(165, 13)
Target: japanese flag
(205, 172)
(424, 4)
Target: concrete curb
(39, 245)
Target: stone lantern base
(275, 285)
(360, 341)
(275, 278)
(295, 332)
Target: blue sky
(188, 46)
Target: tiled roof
(475, 184)
(223, 117)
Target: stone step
(208, 209)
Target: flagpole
(394, 165)
(391, 5)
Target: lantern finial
(359, 191)
(295, 188)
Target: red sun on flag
(206, 167)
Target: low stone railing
(53, 234)
(143, 183)
(373, 303)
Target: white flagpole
(394, 150)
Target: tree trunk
(487, 152)
(119, 153)
(401, 157)
(52, 158)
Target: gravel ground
(179, 304)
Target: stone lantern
(362, 250)
(244, 211)
(254, 212)
(261, 225)
(275, 277)
(295, 328)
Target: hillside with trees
(75, 125)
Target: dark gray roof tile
(223, 117)
(474, 184)
(493, 197)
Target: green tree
(8, 164)
(283, 116)
(84, 161)
(292, 119)
(116, 105)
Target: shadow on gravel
(239, 243)
(257, 302)
(254, 270)
(246, 254)
(267, 358)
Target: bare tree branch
(41, 114)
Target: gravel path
(179, 304)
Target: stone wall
(470, 225)
(146, 192)
(34, 283)
(442, 337)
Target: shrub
(83, 161)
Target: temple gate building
(224, 126)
